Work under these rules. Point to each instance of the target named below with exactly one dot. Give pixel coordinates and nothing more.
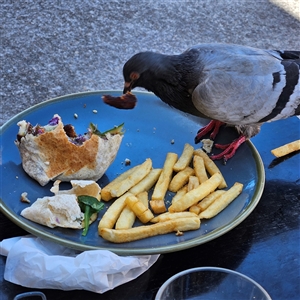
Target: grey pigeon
(230, 84)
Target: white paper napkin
(37, 263)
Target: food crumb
(207, 145)
(172, 141)
(127, 162)
(24, 198)
(75, 116)
(84, 105)
(95, 111)
(179, 233)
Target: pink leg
(230, 149)
(218, 124)
(213, 126)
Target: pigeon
(230, 84)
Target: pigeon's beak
(127, 87)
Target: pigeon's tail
(291, 62)
(290, 55)
(295, 57)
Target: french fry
(127, 216)
(136, 176)
(205, 202)
(105, 192)
(158, 206)
(170, 216)
(146, 183)
(180, 193)
(146, 216)
(126, 219)
(180, 179)
(208, 200)
(195, 209)
(140, 210)
(199, 167)
(141, 232)
(185, 158)
(286, 149)
(210, 166)
(112, 214)
(221, 202)
(193, 183)
(195, 195)
(143, 197)
(164, 179)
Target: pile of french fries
(200, 193)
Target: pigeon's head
(135, 68)
(169, 77)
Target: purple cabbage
(54, 121)
(39, 131)
(79, 140)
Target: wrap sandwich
(56, 152)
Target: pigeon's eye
(134, 76)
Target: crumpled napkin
(37, 263)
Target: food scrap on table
(24, 198)
(286, 149)
(207, 145)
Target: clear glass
(30, 295)
(211, 283)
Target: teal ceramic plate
(152, 130)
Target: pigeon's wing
(243, 85)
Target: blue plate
(152, 130)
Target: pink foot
(229, 149)
(213, 126)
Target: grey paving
(52, 48)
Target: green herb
(114, 130)
(89, 205)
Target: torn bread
(56, 152)
(62, 209)
(79, 187)
(55, 211)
